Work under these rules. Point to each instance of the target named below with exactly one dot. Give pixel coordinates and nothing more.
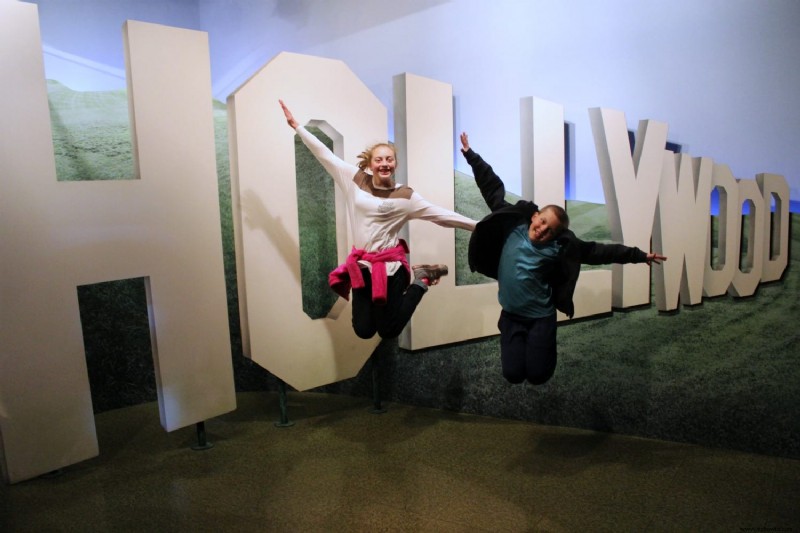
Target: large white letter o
(276, 333)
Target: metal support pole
(377, 408)
(202, 443)
(284, 422)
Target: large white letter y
(630, 185)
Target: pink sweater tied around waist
(348, 275)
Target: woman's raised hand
(289, 117)
(464, 142)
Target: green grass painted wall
(725, 373)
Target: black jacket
(486, 243)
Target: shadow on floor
(342, 468)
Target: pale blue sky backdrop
(722, 73)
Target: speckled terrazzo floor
(342, 468)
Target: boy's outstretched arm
(489, 183)
(596, 253)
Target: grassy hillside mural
(725, 373)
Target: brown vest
(364, 182)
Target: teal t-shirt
(522, 272)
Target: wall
(721, 73)
(492, 101)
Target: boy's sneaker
(429, 274)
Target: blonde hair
(366, 156)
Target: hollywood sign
(165, 227)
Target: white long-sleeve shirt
(375, 222)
